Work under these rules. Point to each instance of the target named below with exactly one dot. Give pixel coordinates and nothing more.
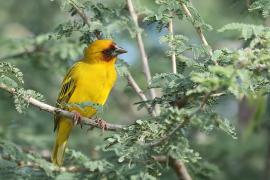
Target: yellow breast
(94, 83)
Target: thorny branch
(53, 110)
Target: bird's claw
(77, 118)
(102, 124)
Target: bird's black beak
(119, 50)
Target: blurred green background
(244, 158)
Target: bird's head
(104, 50)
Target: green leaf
(261, 6)
(10, 74)
(247, 30)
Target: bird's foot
(102, 124)
(77, 118)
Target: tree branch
(144, 58)
(140, 93)
(178, 166)
(198, 29)
(173, 54)
(57, 111)
(84, 17)
(80, 12)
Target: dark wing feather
(67, 88)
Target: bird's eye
(109, 51)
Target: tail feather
(64, 129)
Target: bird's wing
(67, 88)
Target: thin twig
(214, 93)
(178, 166)
(139, 91)
(80, 12)
(162, 139)
(84, 17)
(144, 58)
(204, 101)
(173, 54)
(172, 132)
(198, 29)
(60, 112)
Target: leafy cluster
(262, 6)
(167, 10)
(188, 97)
(12, 77)
(102, 22)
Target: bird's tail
(63, 131)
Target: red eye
(108, 52)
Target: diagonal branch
(57, 111)
(84, 17)
(139, 91)
(198, 29)
(80, 12)
(146, 68)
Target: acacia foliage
(187, 101)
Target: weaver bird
(88, 80)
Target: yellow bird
(89, 80)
